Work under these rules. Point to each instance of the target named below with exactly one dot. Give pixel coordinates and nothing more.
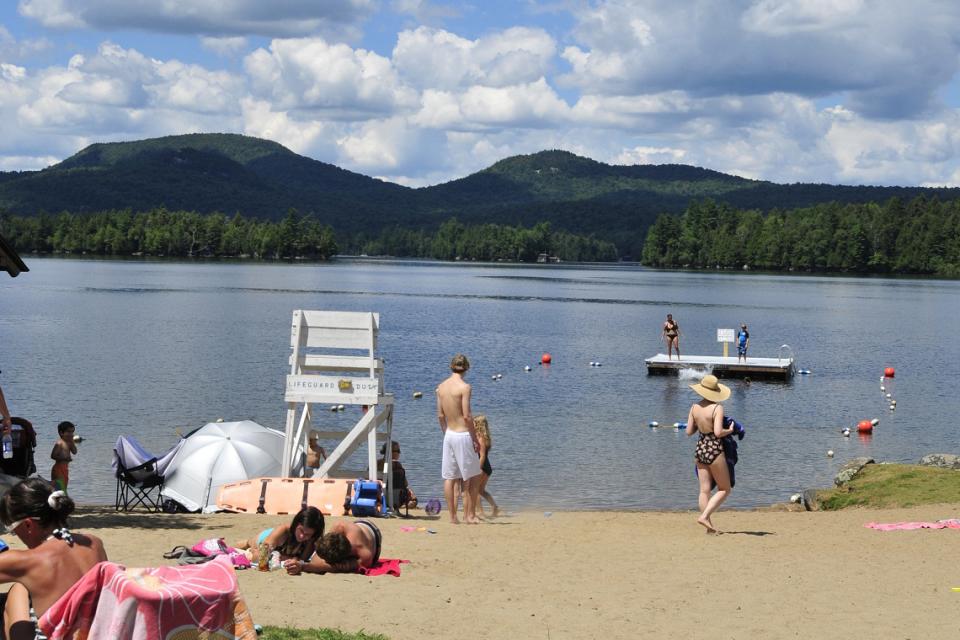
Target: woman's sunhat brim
(712, 390)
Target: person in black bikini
(483, 435)
(671, 335)
(706, 418)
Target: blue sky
(419, 92)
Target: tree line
(919, 236)
(160, 232)
(486, 242)
(170, 233)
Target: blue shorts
(742, 350)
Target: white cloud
(650, 155)
(226, 46)
(310, 137)
(13, 49)
(309, 73)
(51, 13)
(210, 17)
(811, 48)
(513, 56)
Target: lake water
(145, 348)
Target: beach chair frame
(138, 486)
(333, 361)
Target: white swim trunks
(460, 460)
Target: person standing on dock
(671, 335)
(461, 447)
(743, 343)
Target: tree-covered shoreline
(187, 234)
(919, 237)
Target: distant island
(234, 195)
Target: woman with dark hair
(296, 540)
(348, 546)
(55, 558)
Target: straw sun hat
(712, 390)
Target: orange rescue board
(286, 496)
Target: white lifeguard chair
(333, 362)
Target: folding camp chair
(139, 485)
(140, 473)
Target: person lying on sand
(348, 546)
(55, 558)
(295, 541)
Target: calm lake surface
(145, 348)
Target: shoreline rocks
(942, 460)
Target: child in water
(483, 435)
(62, 454)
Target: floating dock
(729, 367)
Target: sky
(421, 92)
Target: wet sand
(772, 574)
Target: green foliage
(487, 242)
(286, 633)
(228, 173)
(894, 486)
(170, 233)
(919, 237)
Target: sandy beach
(773, 574)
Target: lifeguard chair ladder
(333, 362)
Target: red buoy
(889, 372)
(865, 426)
(546, 358)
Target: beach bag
(210, 547)
(207, 550)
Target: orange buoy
(889, 372)
(865, 426)
(546, 358)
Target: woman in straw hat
(706, 418)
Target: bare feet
(473, 521)
(454, 521)
(706, 524)
(496, 513)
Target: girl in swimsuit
(706, 419)
(483, 435)
(671, 334)
(296, 540)
(55, 558)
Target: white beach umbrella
(218, 453)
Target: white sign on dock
(725, 335)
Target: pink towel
(906, 526)
(111, 601)
(385, 567)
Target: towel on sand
(383, 567)
(164, 603)
(906, 526)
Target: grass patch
(284, 633)
(894, 485)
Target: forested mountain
(232, 174)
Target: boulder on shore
(849, 470)
(942, 460)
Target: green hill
(232, 173)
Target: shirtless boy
(461, 448)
